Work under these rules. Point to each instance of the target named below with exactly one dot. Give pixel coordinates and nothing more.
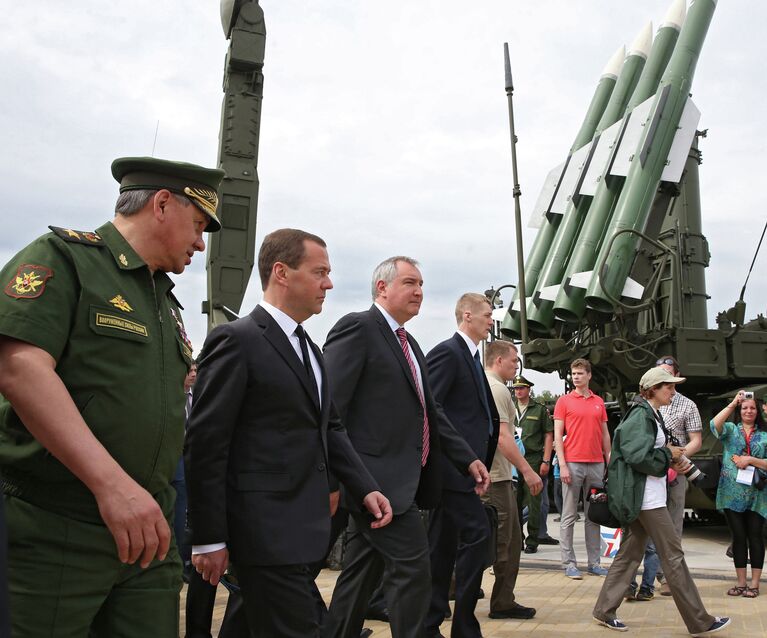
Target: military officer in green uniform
(537, 434)
(93, 355)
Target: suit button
(321, 467)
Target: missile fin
(544, 199)
(550, 292)
(570, 180)
(499, 314)
(581, 279)
(630, 141)
(599, 159)
(680, 147)
(632, 289)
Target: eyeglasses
(668, 361)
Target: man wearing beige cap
(93, 355)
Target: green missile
(510, 326)
(570, 303)
(638, 193)
(540, 316)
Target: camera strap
(662, 423)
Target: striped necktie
(409, 358)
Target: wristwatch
(546, 462)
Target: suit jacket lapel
(394, 344)
(279, 341)
(464, 349)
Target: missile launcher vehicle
(617, 272)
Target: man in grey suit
(380, 386)
(263, 436)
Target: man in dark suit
(458, 530)
(380, 386)
(263, 435)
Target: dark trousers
(201, 597)
(279, 600)
(458, 537)
(399, 552)
(747, 538)
(533, 504)
(179, 514)
(200, 600)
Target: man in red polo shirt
(582, 443)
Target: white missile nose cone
(675, 15)
(614, 65)
(643, 42)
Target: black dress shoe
(377, 614)
(529, 549)
(547, 540)
(481, 594)
(366, 633)
(518, 611)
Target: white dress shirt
(394, 327)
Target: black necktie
(480, 378)
(301, 334)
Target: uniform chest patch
(104, 320)
(119, 302)
(29, 281)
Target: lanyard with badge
(746, 475)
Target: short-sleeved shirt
(583, 418)
(535, 424)
(116, 334)
(730, 494)
(681, 417)
(501, 469)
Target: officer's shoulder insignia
(28, 282)
(118, 301)
(89, 238)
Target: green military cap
(521, 382)
(198, 183)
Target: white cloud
(384, 126)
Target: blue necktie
(481, 380)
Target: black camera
(692, 473)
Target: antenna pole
(517, 193)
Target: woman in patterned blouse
(742, 429)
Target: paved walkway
(564, 606)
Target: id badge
(746, 477)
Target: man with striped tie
(379, 383)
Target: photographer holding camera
(639, 461)
(685, 428)
(744, 503)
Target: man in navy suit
(381, 388)
(459, 531)
(263, 437)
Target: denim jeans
(651, 567)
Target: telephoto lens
(692, 473)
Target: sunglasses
(668, 361)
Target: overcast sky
(384, 127)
